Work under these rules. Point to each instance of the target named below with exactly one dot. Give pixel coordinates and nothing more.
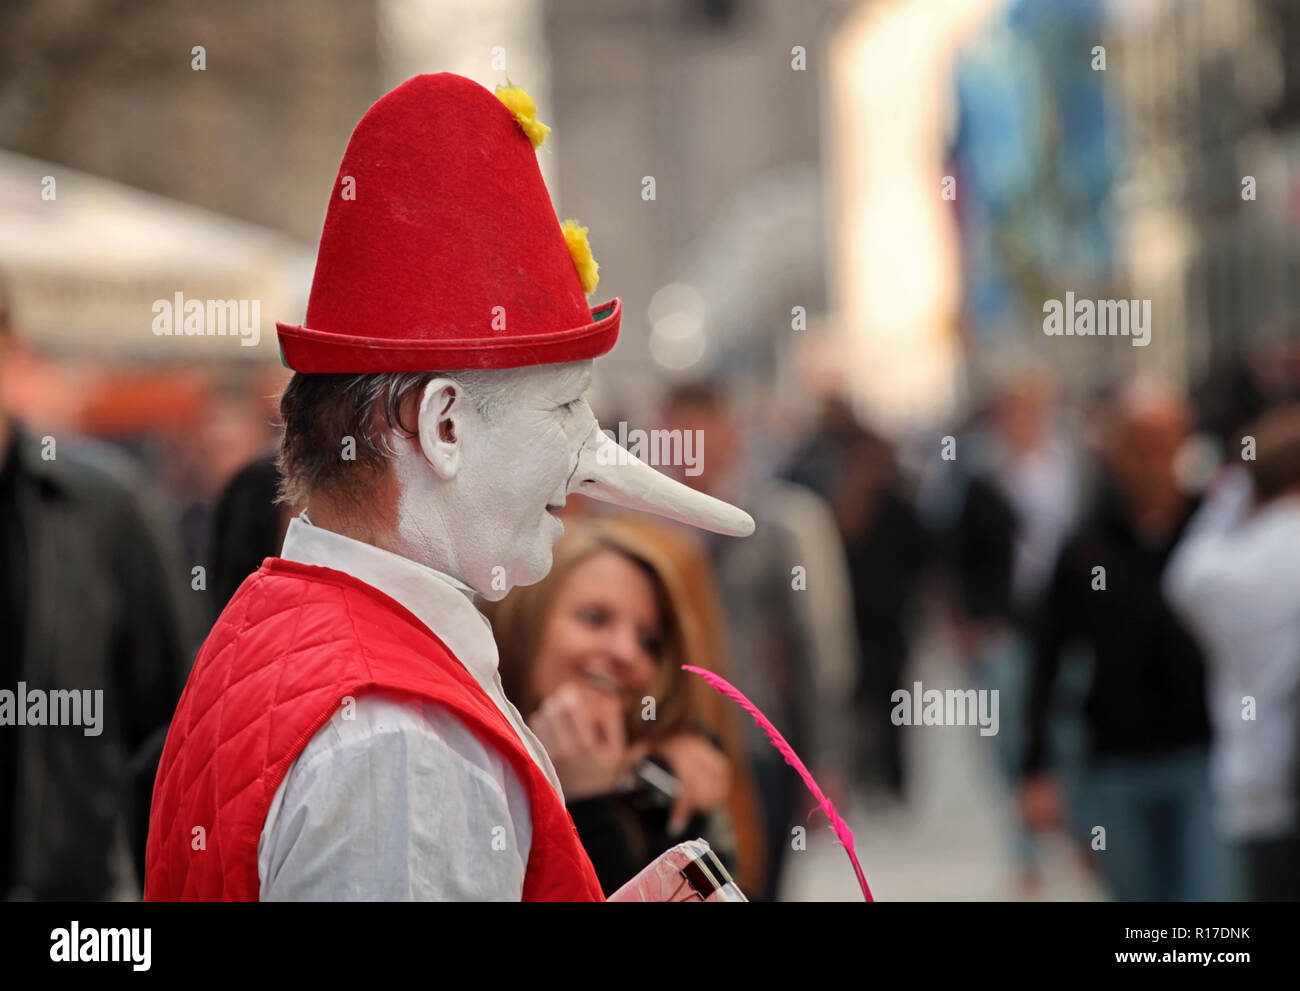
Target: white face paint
(476, 493)
(489, 524)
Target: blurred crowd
(1122, 567)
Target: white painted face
(485, 514)
(520, 464)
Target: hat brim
(320, 352)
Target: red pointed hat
(441, 249)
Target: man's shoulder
(295, 631)
(346, 613)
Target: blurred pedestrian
(1236, 580)
(887, 549)
(1020, 478)
(1144, 782)
(247, 527)
(93, 598)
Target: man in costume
(343, 734)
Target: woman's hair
(692, 633)
(519, 621)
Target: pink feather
(843, 835)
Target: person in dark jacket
(887, 549)
(1142, 802)
(92, 602)
(1016, 491)
(247, 527)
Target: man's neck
(329, 514)
(326, 514)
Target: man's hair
(321, 412)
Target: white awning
(89, 269)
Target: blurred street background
(834, 226)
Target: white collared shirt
(1235, 577)
(401, 801)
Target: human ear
(442, 405)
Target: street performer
(344, 733)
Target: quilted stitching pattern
(293, 642)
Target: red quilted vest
(292, 643)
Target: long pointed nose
(608, 472)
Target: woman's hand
(702, 770)
(582, 731)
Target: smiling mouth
(607, 686)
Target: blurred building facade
(1211, 94)
(113, 89)
(704, 98)
(797, 154)
(1187, 138)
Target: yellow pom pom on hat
(524, 109)
(575, 236)
(521, 105)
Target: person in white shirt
(1236, 580)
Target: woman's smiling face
(604, 630)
